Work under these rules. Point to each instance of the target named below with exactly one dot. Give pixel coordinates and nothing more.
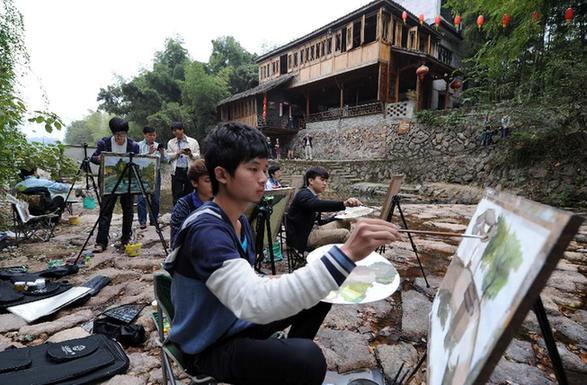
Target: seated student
(274, 176)
(52, 193)
(305, 210)
(224, 312)
(200, 180)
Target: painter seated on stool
(305, 229)
(225, 313)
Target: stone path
(382, 334)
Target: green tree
(15, 151)
(537, 55)
(201, 93)
(228, 54)
(89, 129)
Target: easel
(555, 359)
(133, 167)
(85, 167)
(263, 213)
(395, 202)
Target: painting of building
(113, 167)
(491, 284)
(360, 64)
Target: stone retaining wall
(372, 148)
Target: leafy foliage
(541, 56)
(502, 255)
(177, 88)
(89, 129)
(15, 151)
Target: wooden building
(362, 63)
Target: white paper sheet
(34, 310)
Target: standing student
(119, 143)
(148, 146)
(181, 150)
(307, 142)
(198, 176)
(224, 312)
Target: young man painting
(225, 312)
(121, 144)
(305, 228)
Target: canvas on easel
(393, 189)
(113, 165)
(279, 204)
(491, 284)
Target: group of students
(180, 151)
(225, 313)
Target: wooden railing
(347, 112)
(282, 122)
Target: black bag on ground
(128, 335)
(80, 361)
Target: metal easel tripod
(130, 170)
(395, 202)
(262, 213)
(555, 359)
(86, 169)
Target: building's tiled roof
(343, 20)
(261, 88)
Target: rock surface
(376, 335)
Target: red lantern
(404, 16)
(437, 22)
(480, 21)
(422, 71)
(569, 13)
(457, 21)
(505, 20)
(536, 16)
(456, 84)
(421, 18)
(264, 108)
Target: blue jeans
(142, 203)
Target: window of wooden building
(337, 40)
(343, 39)
(317, 50)
(349, 37)
(386, 27)
(397, 36)
(329, 46)
(312, 52)
(356, 33)
(370, 29)
(413, 42)
(295, 59)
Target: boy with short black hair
(274, 176)
(119, 143)
(148, 146)
(225, 312)
(181, 150)
(305, 212)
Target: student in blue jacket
(225, 312)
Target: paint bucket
(74, 220)
(133, 249)
(89, 203)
